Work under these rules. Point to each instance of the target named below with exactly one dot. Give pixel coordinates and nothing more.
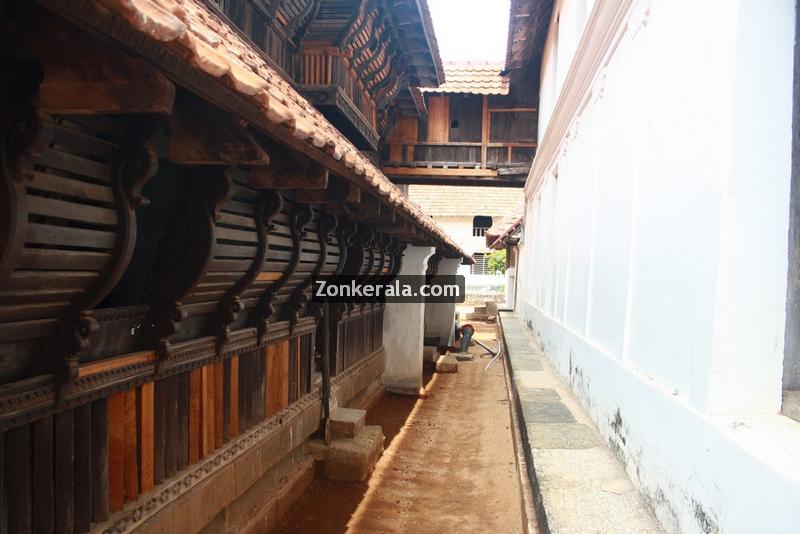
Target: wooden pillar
(485, 118)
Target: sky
(471, 29)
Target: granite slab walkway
(578, 485)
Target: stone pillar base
(350, 460)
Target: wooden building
(358, 61)
(166, 198)
(475, 131)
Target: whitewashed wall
(654, 256)
(460, 230)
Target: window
(480, 223)
(479, 267)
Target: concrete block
(350, 460)
(347, 422)
(447, 363)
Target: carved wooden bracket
(325, 225)
(201, 134)
(301, 216)
(22, 139)
(289, 173)
(268, 206)
(397, 257)
(182, 267)
(433, 265)
(345, 234)
(135, 165)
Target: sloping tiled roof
(477, 78)
(430, 35)
(460, 200)
(498, 234)
(192, 30)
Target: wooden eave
(508, 235)
(235, 78)
(529, 21)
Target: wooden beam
(202, 134)
(369, 207)
(338, 192)
(431, 171)
(85, 76)
(289, 174)
(386, 217)
(512, 110)
(503, 181)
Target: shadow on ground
(448, 464)
(333, 503)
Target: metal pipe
(323, 316)
(466, 336)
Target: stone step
(447, 363)
(347, 422)
(350, 460)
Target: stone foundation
(250, 483)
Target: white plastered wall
(654, 258)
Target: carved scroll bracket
(325, 225)
(23, 139)
(269, 204)
(301, 215)
(183, 267)
(134, 166)
(345, 233)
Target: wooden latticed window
(480, 223)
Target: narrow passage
(448, 464)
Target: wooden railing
(504, 144)
(459, 159)
(328, 67)
(267, 25)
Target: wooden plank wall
(64, 472)
(438, 119)
(405, 132)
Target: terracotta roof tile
(501, 231)
(478, 78)
(458, 200)
(193, 30)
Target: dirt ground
(448, 466)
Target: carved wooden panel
(78, 193)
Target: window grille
(480, 266)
